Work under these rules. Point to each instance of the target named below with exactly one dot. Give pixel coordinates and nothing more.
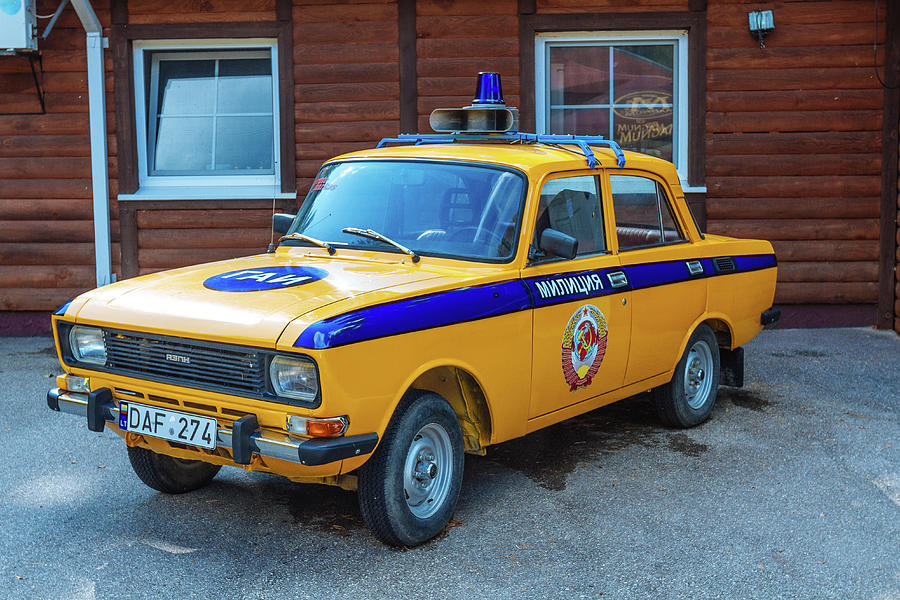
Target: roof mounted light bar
(584, 142)
(488, 112)
(488, 119)
(478, 118)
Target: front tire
(170, 475)
(409, 488)
(688, 399)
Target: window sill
(251, 192)
(688, 189)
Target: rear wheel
(170, 475)
(688, 399)
(408, 489)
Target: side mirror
(281, 222)
(558, 243)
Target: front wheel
(688, 399)
(408, 489)
(170, 475)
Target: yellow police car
(433, 296)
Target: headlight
(87, 345)
(294, 377)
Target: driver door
(581, 319)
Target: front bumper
(244, 439)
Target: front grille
(188, 362)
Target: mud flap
(731, 367)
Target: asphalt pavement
(791, 490)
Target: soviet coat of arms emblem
(583, 346)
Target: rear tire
(170, 475)
(409, 488)
(688, 399)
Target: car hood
(249, 300)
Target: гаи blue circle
(264, 278)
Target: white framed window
(628, 86)
(207, 119)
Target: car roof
(525, 157)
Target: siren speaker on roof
(475, 119)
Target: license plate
(168, 424)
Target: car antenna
(271, 248)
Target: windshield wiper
(305, 238)
(374, 235)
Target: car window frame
(669, 199)
(597, 174)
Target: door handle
(617, 279)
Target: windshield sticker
(583, 346)
(264, 278)
(318, 184)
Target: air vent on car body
(724, 264)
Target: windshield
(440, 209)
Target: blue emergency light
(487, 114)
(488, 89)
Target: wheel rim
(428, 471)
(698, 369)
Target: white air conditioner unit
(18, 28)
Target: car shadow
(547, 457)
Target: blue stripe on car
(479, 302)
(752, 263)
(653, 274)
(62, 309)
(413, 314)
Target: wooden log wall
(793, 144)
(345, 98)
(177, 237)
(456, 40)
(897, 271)
(610, 6)
(793, 131)
(200, 11)
(46, 206)
(346, 79)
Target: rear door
(581, 319)
(668, 291)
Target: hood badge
(264, 278)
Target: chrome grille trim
(233, 369)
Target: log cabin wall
(159, 235)
(890, 218)
(347, 81)
(345, 84)
(46, 211)
(793, 146)
(456, 40)
(792, 142)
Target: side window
(643, 215)
(572, 205)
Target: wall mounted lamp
(762, 22)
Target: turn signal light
(330, 427)
(77, 384)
